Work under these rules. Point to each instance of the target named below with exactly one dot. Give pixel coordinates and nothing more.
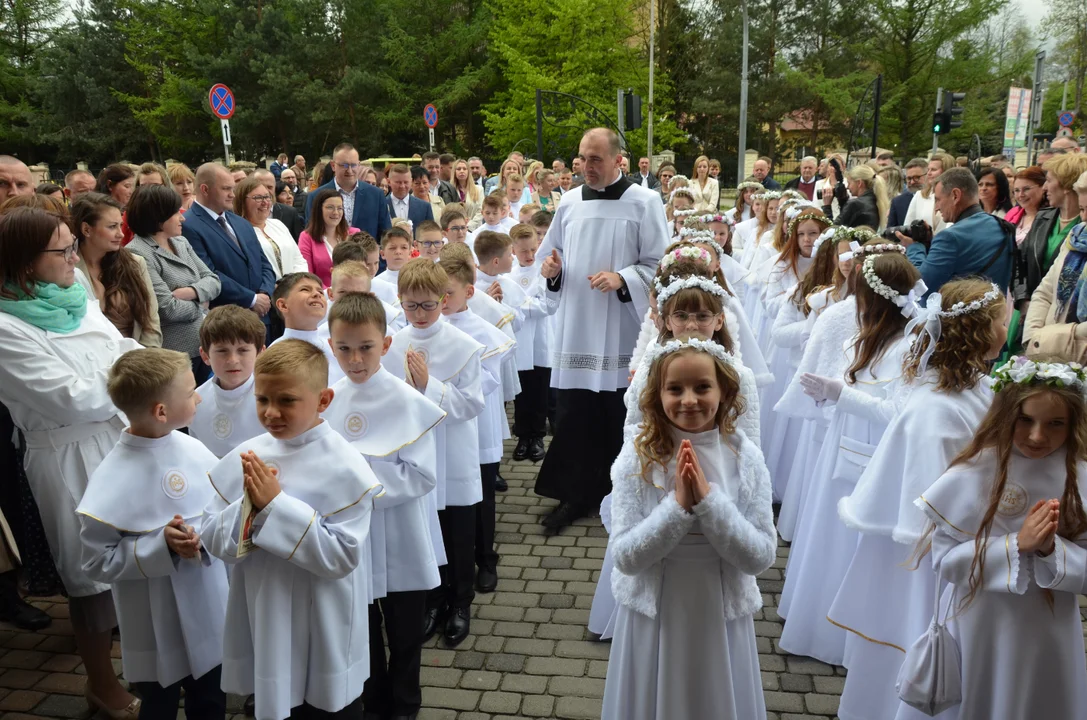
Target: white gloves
(821, 389)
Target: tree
(25, 27)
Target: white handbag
(931, 676)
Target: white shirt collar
(214, 215)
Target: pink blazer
(318, 256)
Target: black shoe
(536, 450)
(521, 451)
(486, 580)
(563, 515)
(15, 610)
(457, 626)
(500, 484)
(433, 619)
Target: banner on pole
(1016, 120)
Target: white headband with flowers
(908, 303)
(1022, 371)
(688, 283)
(709, 347)
(930, 319)
(690, 252)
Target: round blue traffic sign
(430, 116)
(1067, 118)
(221, 100)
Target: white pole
(649, 129)
(742, 144)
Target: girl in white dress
(693, 526)
(745, 192)
(746, 239)
(885, 600)
(1010, 537)
(793, 325)
(822, 546)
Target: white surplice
(385, 286)
(454, 369)
(319, 339)
(225, 418)
(171, 610)
(620, 229)
(54, 386)
(1022, 652)
(296, 626)
(393, 426)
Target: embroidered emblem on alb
(355, 425)
(1014, 500)
(174, 484)
(525, 280)
(222, 426)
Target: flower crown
(797, 206)
(929, 319)
(1021, 371)
(750, 185)
(701, 235)
(687, 251)
(908, 303)
(768, 195)
(685, 192)
(664, 292)
(711, 218)
(794, 194)
(857, 250)
(655, 353)
(827, 235)
(684, 213)
(801, 217)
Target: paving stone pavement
(530, 654)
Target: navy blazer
(244, 271)
(371, 214)
(418, 210)
(899, 207)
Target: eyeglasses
(458, 228)
(334, 209)
(701, 318)
(431, 244)
(67, 253)
(261, 198)
(349, 166)
(429, 305)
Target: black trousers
(204, 698)
(588, 437)
(486, 557)
(458, 574)
(305, 711)
(530, 405)
(393, 687)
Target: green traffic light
(936, 129)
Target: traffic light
(632, 110)
(939, 124)
(953, 109)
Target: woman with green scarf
(56, 350)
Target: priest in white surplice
(599, 257)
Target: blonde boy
(170, 595)
(527, 211)
(395, 251)
(515, 189)
(353, 276)
(297, 539)
(429, 240)
(231, 337)
(444, 364)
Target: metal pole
(539, 125)
(939, 104)
(649, 128)
(1035, 102)
(621, 115)
(1064, 98)
(741, 145)
(875, 115)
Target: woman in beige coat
(706, 191)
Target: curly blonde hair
(961, 356)
(656, 443)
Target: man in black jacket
(645, 176)
(915, 180)
(761, 171)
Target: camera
(918, 231)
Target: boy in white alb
(428, 240)
(494, 260)
(404, 456)
(515, 190)
(444, 364)
(231, 337)
(495, 216)
(171, 595)
(530, 405)
(353, 276)
(492, 422)
(396, 251)
(300, 299)
(291, 512)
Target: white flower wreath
(701, 235)
(749, 185)
(827, 235)
(908, 303)
(687, 251)
(1021, 371)
(929, 319)
(688, 283)
(655, 353)
(768, 195)
(802, 216)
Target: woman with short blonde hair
(184, 182)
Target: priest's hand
(552, 266)
(420, 376)
(606, 281)
(1040, 527)
(260, 481)
(181, 538)
(495, 291)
